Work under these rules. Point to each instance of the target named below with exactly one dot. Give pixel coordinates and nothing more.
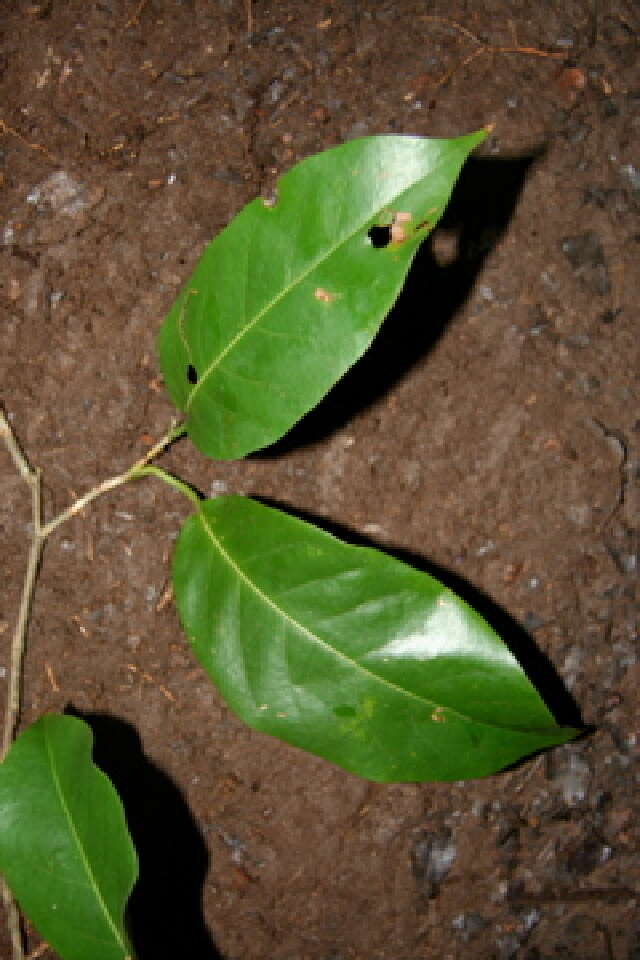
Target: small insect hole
(192, 374)
(380, 237)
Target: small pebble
(573, 777)
(632, 174)
(468, 925)
(432, 857)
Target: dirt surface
(493, 433)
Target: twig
(15, 670)
(5, 128)
(483, 47)
(136, 470)
(40, 532)
(39, 535)
(135, 16)
(20, 461)
(454, 25)
(13, 922)
(32, 478)
(169, 479)
(17, 646)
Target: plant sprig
(338, 649)
(40, 531)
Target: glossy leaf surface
(287, 297)
(348, 653)
(64, 846)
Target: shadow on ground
(164, 914)
(478, 214)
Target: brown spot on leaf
(321, 294)
(398, 233)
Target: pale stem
(169, 479)
(113, 482)
(17, 644)
(32, 478)
(39, 535)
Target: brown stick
(5, 128)
(485, 47)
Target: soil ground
(492, 433)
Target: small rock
(9, 233)
(573, 777)
(468, 925)
(632, 174)
(62, 194)
(276, 89)
(36, 295)
(587, 855)
(572, 666)
(508, 946)
(432, 857)
(585, 254)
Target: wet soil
(492, 434)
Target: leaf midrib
(264, 598)
(74, 833)
(297, 280)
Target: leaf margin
(262, 714)
(48, 738)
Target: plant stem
(17, 645)
(40, 533)
(176, 431)
(169, 479)
(32, 478)
(38, 537)
(13, 922)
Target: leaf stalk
(169, 479)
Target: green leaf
(287, 297)
(349, 653)
(64, 846)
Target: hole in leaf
(192, 374)
(380, 237)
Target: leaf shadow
(537, 666)
(481, 207)
(164, 913)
